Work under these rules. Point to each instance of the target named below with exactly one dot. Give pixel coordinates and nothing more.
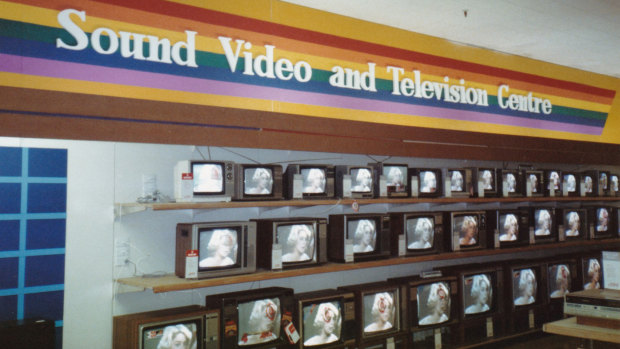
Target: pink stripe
(85, 72)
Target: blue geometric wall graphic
(33, 204)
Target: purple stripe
(84, 72)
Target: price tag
(389, 343)
(291, 333)
(415, 184)
(528, 188)
(561, 233)
(531, 318)
(383, 192)
(348, 251)
(346, 186)
(447, 185)
(276, 257)
(298, 186)
(480, 189)
(191, 264)
(437, 338)
(489, 327)
(402, 245)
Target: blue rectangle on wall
(44, 304)
(9, 235)
(45, 270)
(47, 163)
(45, 233)
(11, 160)
(10, 197)
(47, 197)
(9, 272)
(8, 308)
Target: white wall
(101, 174)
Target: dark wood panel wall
(46, 114)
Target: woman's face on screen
(179, 341)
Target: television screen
(511, 182)
(588, 184)
(396, 178)
(297, 242)
(420, 232)
(433, 303)
(591, 274)
(508, 227)
(603, 181)
(487, 178)
(602, 220)
(218, 247)
(257, 180)
(574, 223)
(467, 228)
(558, 280)
(543, 222)
(321, 323)
(259, 321)
(478, 297)
(361, 180)
(570, 180)
(379, 312)
(524, 286)
(615, 183)
(553, 180)
(457, 180)
(181, 335)
(428, 182)
(314, 180)
(208, 178)
(364, 234)
(535, 179)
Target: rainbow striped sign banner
(184, 52)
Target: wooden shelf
(127, 208)
(570, 327)
(170, 282)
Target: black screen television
(543, 225)
(355, 182)
(511, 183)
(590, 271)
(591, 183)
(602, 222)
(157, 329)
(571, 184)
(309, 181)
(553, 182)
(254, 318)
(196, 181)
(381, 310)
(481, 301)
(524, 296)
(416, 233)
(358, 237)
(300, 241)
(561, 278)
(508, 228)
(214, 249)
(430, 182)
(258, 182)
(486, 182)
(461, 182)
(325, 319)
(533, 183)
(468, 230)
(573, 224)
(396, 180)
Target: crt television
(253, 318)
(380, 309)
(571, 184)
(355, 182)
(602, 222)
(553, 182)
(524, 293)
(325, 319)
(203, 180)
(511, 184)
(358, 237)
(416, 233)
(589, 271)
(508, 228)
(533, 183)
(217, 249)
(560, 277)
(396, 179)
(486, 182)
(468, 230)
(309, 181)
(591, 183)
(291, 242)
(258, 182)
(573, 223)
(189, 326)
(430, 182)
(461, 183)
(543, 225)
